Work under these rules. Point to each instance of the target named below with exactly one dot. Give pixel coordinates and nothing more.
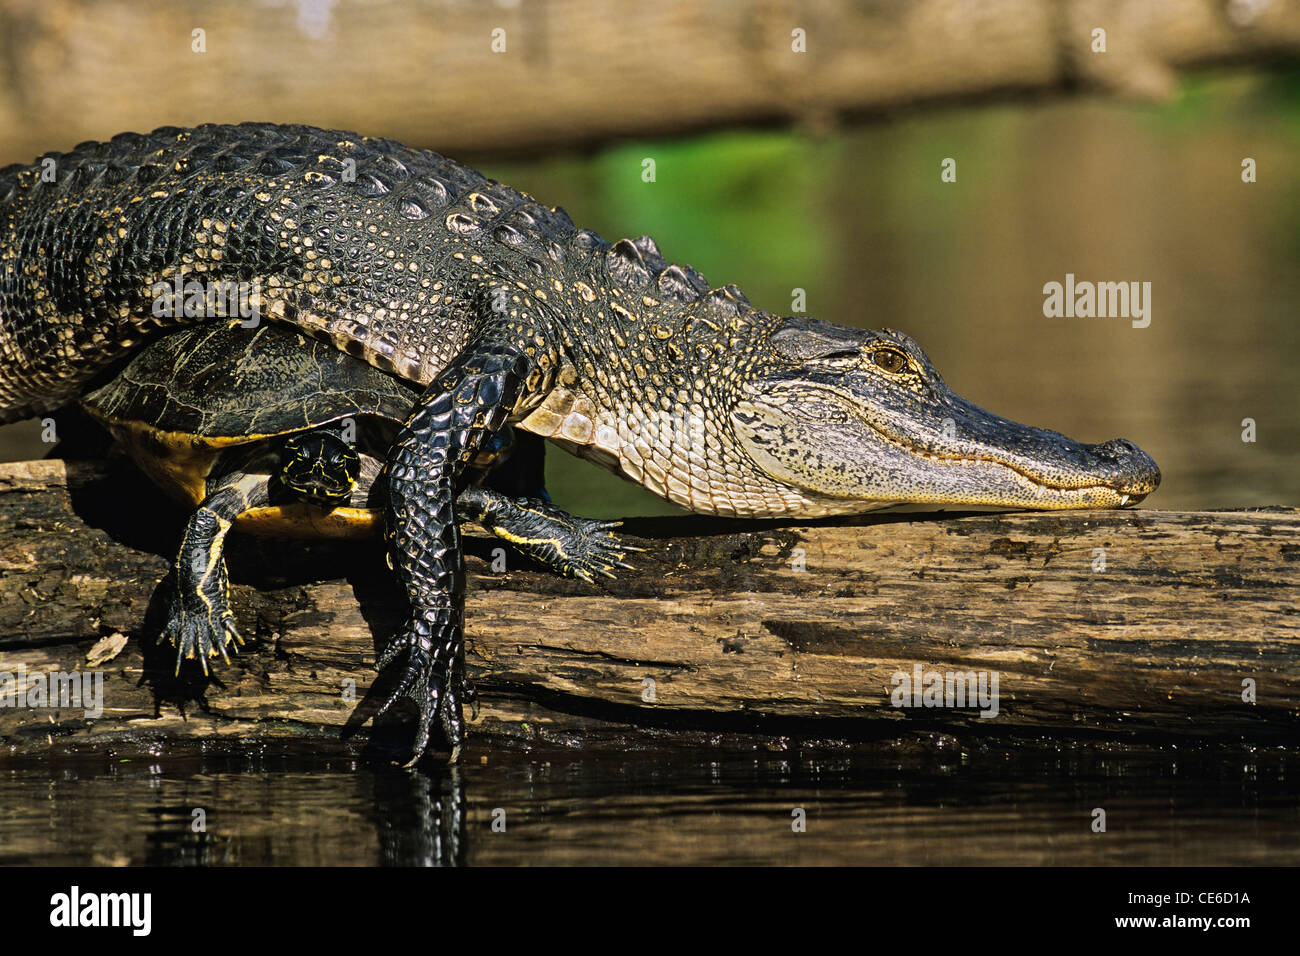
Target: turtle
(268, 431)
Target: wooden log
(1129, 625)
(471, 78)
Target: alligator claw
(431, 684)
(389, 654)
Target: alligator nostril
(1128, 466)
(1117, 450)
(1105, 451)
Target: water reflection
(902, 805)
(420, 817)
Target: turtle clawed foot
(591, 549)
(200, 624)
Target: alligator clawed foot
(432, 685)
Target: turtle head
(319, 467)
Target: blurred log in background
(470, 78)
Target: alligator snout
(1127, 468)
(858, 435)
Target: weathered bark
(579, 71)
(789, 631)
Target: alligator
(506, 314)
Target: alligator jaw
(865, 450)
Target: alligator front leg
(469, 401)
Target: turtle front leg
(199, 621)
(469, 401)
(571, 546)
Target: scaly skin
(466, 404)
(199, 620)
(572, 546)
(510, 314)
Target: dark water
(1021, 806)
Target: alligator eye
(891, 360)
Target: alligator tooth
(1039, 492)
(1123, 501)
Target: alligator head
(847, 415)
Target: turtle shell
(186, 399)
(225, 384)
